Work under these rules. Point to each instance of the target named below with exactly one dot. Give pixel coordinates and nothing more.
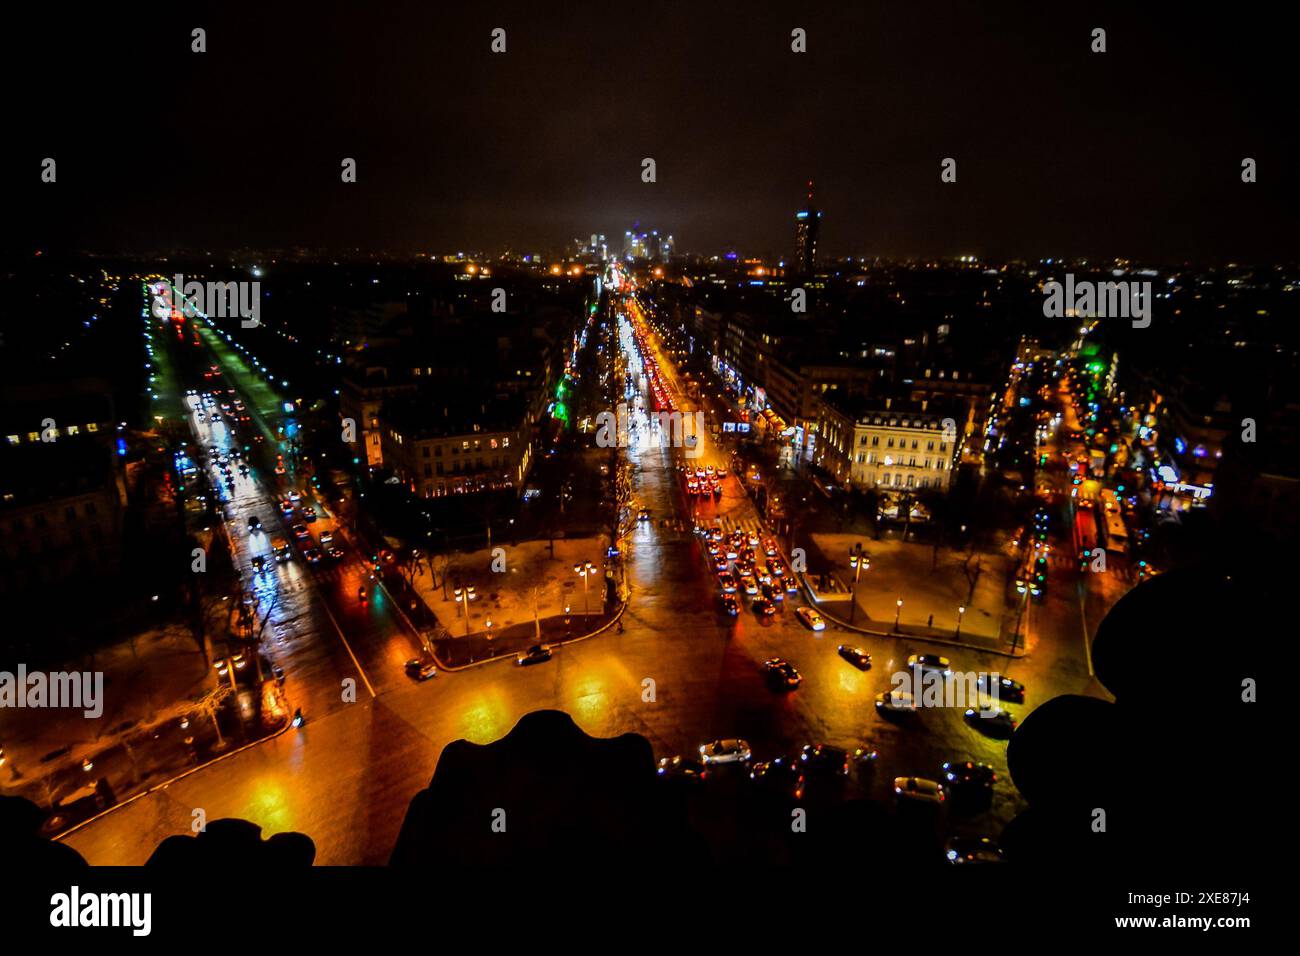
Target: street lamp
(898, 613)
(858, 562)
(584, 571)
(462, 597)
(960, 612)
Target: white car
(918, 790)
(899, 701)
(730, 750)
(931, 663)
(810, 618)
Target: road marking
(1083, 617)
(325, 604)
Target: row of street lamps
(859, 561)
(584, 570)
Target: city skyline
(1058, 153)
(831, 439)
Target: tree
(210, 705)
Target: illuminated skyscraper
(807, 227)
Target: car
(778, 777)
(825, 760)
(896, 701)
(810, 618)
(918, 790)
(960, 850)
(643, 514)
(781, 674)
(730, 605)
(334, 554)
(991, 720)
(968, 773)
(855, 656)
(326, 537)
(534, 655)
(716, 551)
(309, 514)
(731, 552)
(259, 563)
(749, 584)
(720, 564)
(771, 593)
(727, 581)
(683, 768)
(421, 668)
(764, 607)
(791, 584)
(254, 524)
(300, 532)
(312, 555)
(930, 663)
(775, 568)
(769, 547)
(725, 750)
(1006, 688)
(865, 757)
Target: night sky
(1135, 152)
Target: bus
(1113, 522)
(1085, 532)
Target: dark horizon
(1132, 153)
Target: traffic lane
(326, 654)
(346, 778)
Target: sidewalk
(151, 728)
(524, 592)
(931, 592)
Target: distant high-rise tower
(807, 227)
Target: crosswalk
(749, 526)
